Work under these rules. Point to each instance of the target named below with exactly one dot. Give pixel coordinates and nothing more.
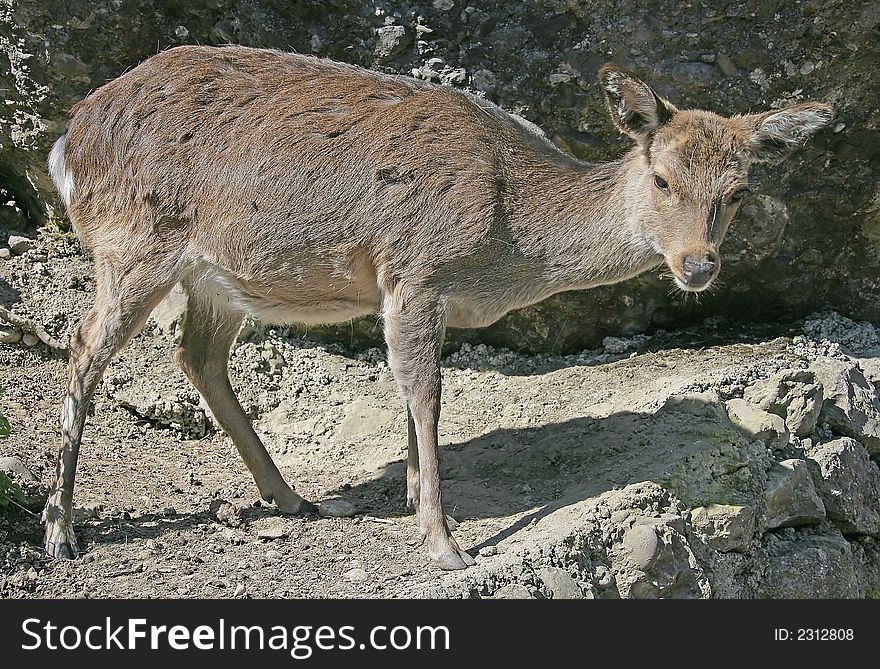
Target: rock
(234, 537)
(867, 550)
(355, 575)
(5, 253)
(19, 245)
(15, 467)
(560, 583)
(793, 394)
(484, 80)
(849, 485)
(725, 527)
(488, 551)
(9, 334)
(391, 40)
(169, 313)
(791, 498)
(857, 337)
(755, 423)
(336, 508)
(642, 544)
(851, 406)
(807, 565)
(90, 511)
(29, 339)
(240, 590)
(512, 41)
(273, 528)
(513, 591)
(225, 513)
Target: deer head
(693, 167)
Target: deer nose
(698, 271)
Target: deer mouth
(692, 285)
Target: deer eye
(660, 182)
(738, 195)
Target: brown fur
(303, 190)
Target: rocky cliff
(807, 239)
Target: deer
(296, 189)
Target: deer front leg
(414, 333)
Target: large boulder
(807, 239)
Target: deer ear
(635, 108)
(774, 134)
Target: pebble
(19, 245)
(277, 530)
(29, 339)
(225, 513)
(240, 590)
(9, 335)
(488, 551)
(336, 508)
(5, 253)
(16, 467)
(355, 575)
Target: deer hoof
(294, 505)
(454, 559)
(448, 556)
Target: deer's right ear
(635, 108)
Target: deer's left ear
(774, 134)
(635, 108)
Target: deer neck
(586, 223)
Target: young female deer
(304, 190)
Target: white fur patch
(226, 294)
(61, 175)
(68, 410)
(794, 126)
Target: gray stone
(642, 544)
(849, 485)
(16, 468)
(806, 565)
(513, 591)
(791, 498)
(273, 528)
(19, 245)
(515, 41)
(758, 424)
(792, 394)
(391, 40)
(336, 508)
(5, 253)
(851, 406)
(169, 313)
(29, 339)
(725, 527)
(9, 334)
(560, 583)
(355, 575)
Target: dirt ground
(519, 435)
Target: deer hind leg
(126, 294)
(412, 464)
(414, 332)
(203, 355)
